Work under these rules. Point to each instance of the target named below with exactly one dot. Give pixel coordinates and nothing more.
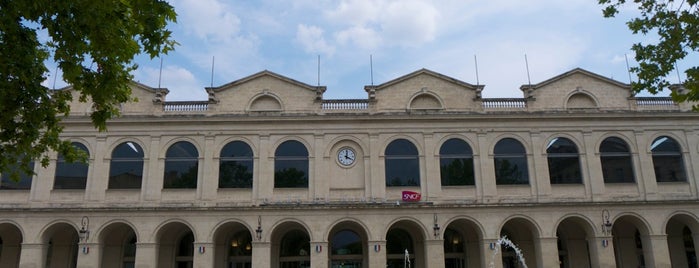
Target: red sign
(410, 196)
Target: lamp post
(436, 227)
(84, 233)
(606, 224)
(258, 231)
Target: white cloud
(207, 19)
(183, 85)
(409, 23)
(362, 37)
(312, 40)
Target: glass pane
(509, 146)
(127, 150)
(295, 243)
(71, 175)
(456, 171)
(402, 172)
(665, 144)
(291, 148)
(290, 173)
(180, 174)
(125, 174)
(561, 146)
(401, 147)
(453, 241)
(182, 149)
(397, 241)
(236, 149)
(564, 170)
(511, 170)
(185, 247)
(614, 145)
(235, 174)
(346, 242)
(455, 147)
(617, 169)
(24, 182)
(668, 168)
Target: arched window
(510, 162)
(615, 157)
(235, 166)
(454, 249)
(25, 179)
(456, 163)
(291, 165)
(294, 249)
(185, 251)
(71, 175)
(240, 250)
(398, 241)
(564, 162)
(402, 164)
(667, 160)
(126, 166)
(181, 166)
(346, 249)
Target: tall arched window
(667, 160)
(510, 162)
(294, 249)
(185, 251)
(240, 250)
(126, 166)
(235, 166)
(346, 249)
(291, 165)
(71, 175)
(402, 164)
(564, 162)
(615, 157)
(181, 166)
(25, 179)
(456, 163)
(398, 242)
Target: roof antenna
(679, 79)
(318, 69)
(160, 75)
(628, 70)
(476, 61)
(213, 60)
(526, 63)
(55, 75)
(371, 68)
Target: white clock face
(346, 156)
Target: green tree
(676, 24)
(93, 43)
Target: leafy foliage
(676, 24)
(93, 42)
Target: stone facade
(353, 214)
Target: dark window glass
(295, 243)
(346, 242)
(402, 164)
(397, 242)
(616, 161)
(71, 175)
(126, 166)
(564, 162)
(456, 163)
(181, 166)
(235, 166)
(453, 241)
(667, 160)
(24, 182)
(510, 162)
(291, 165)
(241, 244)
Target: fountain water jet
(503, 241)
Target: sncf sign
(410, 196)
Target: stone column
(319, 254)
(434, 253)
(203, 255)
(593, 166)
(264, 182)
(539, 175)
(152, 185)
(146, 255)
(491, 253)
(208, 171)
(32, 255)
(319, 185)
(98, 171)
(657, 252)
(602, 251)
(377, 253)
(547, 248)
(646, 177)
(89, 255)
(261, 254)
(487, 179)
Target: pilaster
(261, 252)
(89, 255)
(377, 253)
(319, 254)
(203, 255)
(33, 255)
(146, 255)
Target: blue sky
(402, 36)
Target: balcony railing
(185, 106)
(504, 103)
(655, 101)
(348, 104)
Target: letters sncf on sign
(410, 196)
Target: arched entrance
(118, 246)
(630, 236)
(573, 249)
(10, 245)
(233, 244)
(291, 246)
(175, 246)
(348, 243)
(405, 243)
(523, 234)
(681, 231)
(462, 245)
(62, 246)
